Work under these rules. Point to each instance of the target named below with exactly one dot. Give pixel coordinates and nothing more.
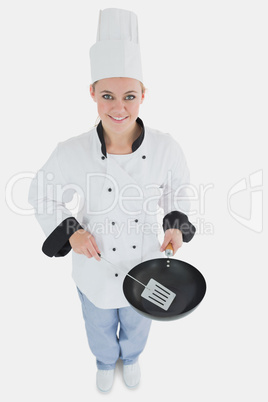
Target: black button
(116, 275)
(113, 223)
(144, 157)
(103, 157)
(109, 189)
(134, 246)
(114, 249)
(136, 220)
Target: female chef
(122, 172)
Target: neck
(121, 140)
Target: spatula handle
(169, 250)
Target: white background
(205, 66)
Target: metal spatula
(154, 291)
(158, 294)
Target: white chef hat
(116, 52)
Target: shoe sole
(132, 386)
(104, 392)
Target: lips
(118, 121)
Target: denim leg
(101, 327)
(133, 334)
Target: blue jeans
(102, 326)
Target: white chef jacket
(120, 197)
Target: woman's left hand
(173, 236)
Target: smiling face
(118, 102)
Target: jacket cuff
(57, 243)
(178, 220)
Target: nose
(119, 105)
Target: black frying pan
(178, 276)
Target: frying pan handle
(169, 250)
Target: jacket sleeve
(48, 194)
(175, 198)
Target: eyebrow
(109, 92)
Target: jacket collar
(136, 144)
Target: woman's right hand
(82, 242)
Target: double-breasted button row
(143, 157)
(134, 246)
(114, 249)
(136, 221)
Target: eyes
(109, 97)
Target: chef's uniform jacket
(119, 198)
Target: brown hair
(143, 89)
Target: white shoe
(132, 374)
(105, 379)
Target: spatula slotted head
(158, 294)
